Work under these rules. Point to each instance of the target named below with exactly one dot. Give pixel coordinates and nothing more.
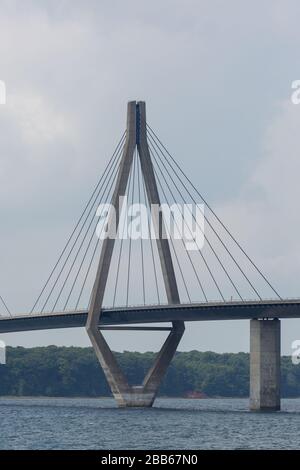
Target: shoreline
(44, 397)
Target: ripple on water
(82, 423)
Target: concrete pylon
(126, 395)
(265, 365)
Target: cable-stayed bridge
(113, 274)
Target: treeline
(69, 371)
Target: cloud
(38, 122)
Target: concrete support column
(265, 365)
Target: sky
(217, 78)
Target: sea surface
(83, 423)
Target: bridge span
(208, 311)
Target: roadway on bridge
(246, 310)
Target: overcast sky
(216, 76)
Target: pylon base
(144, 395)
(136, 398)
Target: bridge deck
(289, 308)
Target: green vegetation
(62, 371)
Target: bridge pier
(265, 365)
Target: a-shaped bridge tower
(126, 395)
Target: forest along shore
(75, 372)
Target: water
(62, 423)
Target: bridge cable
(172, 242)
(185, 250)
(228, 251)
(111, 170)
(87, 248)
(213, 229)
(179, 266)
(121, 249)
(92, 219)
(109, 183)
(141, 242)
(211, 274)
(92, 258)
(214, 213)
(177, 260)
(208, 242)
(79, 221)
(130, 236)
(151, 241)
(5, 306)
